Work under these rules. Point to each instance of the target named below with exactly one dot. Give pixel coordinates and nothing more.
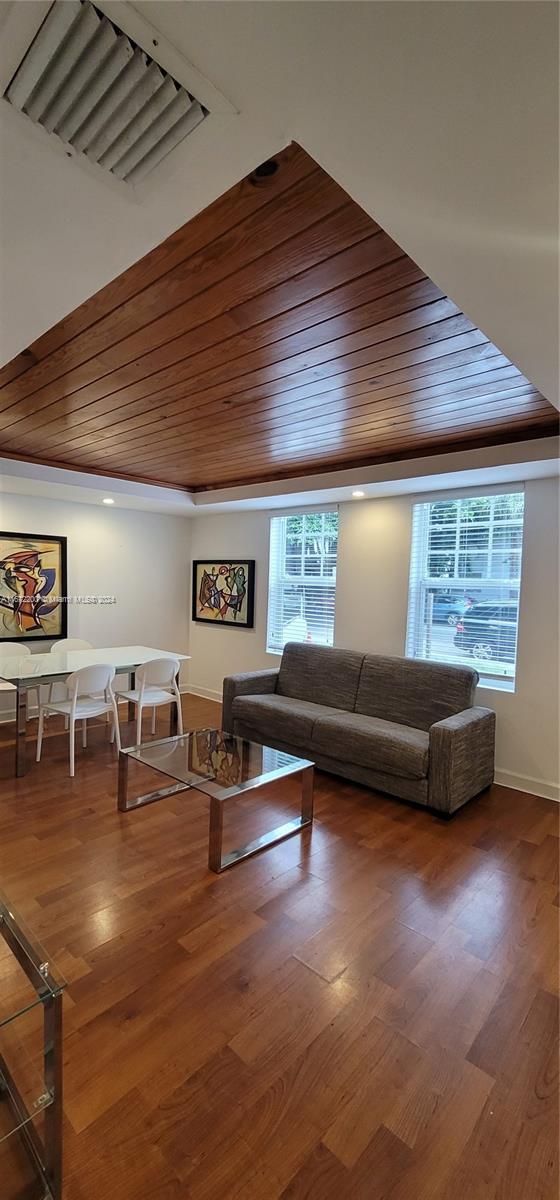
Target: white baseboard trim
(524, 783)
(519, 783)
(7, 715)
(206, 693)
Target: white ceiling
(440, 119)
(512, 463)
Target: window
(465, 574)
(302, 579)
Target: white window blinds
(465, 575)
(302, 579)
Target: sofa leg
(443, 816)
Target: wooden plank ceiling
(280, 332)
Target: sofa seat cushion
(279, 718)
(371, 742)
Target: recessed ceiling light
(358, 495)
(107, 500)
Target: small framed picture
(224, 592)
(33, 605)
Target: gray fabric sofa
(399, 725)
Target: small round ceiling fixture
(263, 172)
(266, 169)
(358, 495)
(107, 500)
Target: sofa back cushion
(413, 692)
(320, 674)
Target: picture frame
(33, 567)
(223, 592)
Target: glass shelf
(30, 1063)
(18, 1176)
(23, 1095)
(42, 975)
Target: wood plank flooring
(368, 1011)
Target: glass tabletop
(29, 979)
(216, 763)
(21, 1060)
(28, 975)
(37, 666)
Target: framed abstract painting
(32, 587)
(224, 592)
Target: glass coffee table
(222, 767)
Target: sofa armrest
(461, 758)
(253, 683)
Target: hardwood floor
(368, 1011)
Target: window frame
(279, 579)
(421, 583)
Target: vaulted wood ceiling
(280, 332)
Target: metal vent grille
(85, 81)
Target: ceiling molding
(491, 466)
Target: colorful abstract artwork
(32, 587)
(223, 592)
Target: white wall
(141, 558)
(215, 650)
(144, 559)
(374, 547)
(375, 541)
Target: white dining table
(32, 670)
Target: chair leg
(139, 725)
(84, 734)
(153, 720)
(72, 731)
(179, 712)
(40, 736)
(115, 728)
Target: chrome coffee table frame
(218, 861)
(219, 796)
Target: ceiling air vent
(85, 81)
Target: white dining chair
(60, 647)
(70, 644)
(156, 684)
(16, 650)
(89, 694)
